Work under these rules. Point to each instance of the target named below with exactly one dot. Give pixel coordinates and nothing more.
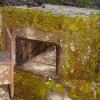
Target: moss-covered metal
(78, 38)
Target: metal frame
(58, 51)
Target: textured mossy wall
(78, 38)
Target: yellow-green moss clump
(2, 41)
(45, 21)
(2, 46)
(80, 41)
(29, 87)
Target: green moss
(2, 42)
(98, 93)
(45, 21)
(2, 39)
(29, 87)
(82, 90)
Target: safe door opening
(39, 57)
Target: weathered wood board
(7, 64)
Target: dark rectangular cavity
(26, 49)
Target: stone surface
(43, 64)
(4, 57)
(5, 74)
(4, 95)
(66, 10)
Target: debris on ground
(43, 64)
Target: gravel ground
(4, 95)
(66, 10)
(43, 64)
